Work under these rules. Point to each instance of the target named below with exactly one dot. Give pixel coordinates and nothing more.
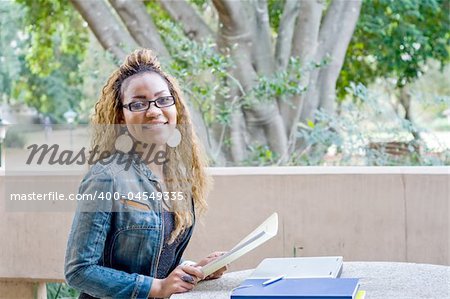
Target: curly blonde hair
(185, 169)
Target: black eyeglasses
(161, 102)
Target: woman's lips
(154, 125)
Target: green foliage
(11, 41)
(260, 155)
(60, 290)
(53, 94)
(279, 85)
(49, 44)
(275, 13)
(199, 3)
(431, 95)
(394, 39)
(56, 29)
(14, 139)
(364, 134)
(319, 136)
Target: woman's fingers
(216, 254)
(211, 257)
(193, 271)
(178, 281)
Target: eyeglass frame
(149, 102)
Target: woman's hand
(162, 288)
(211, 257)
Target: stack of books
(299, 278)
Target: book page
(267, 230)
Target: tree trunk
(334, 36)
(106, 27)
(193, 24)
(338, 40)
(262, 52)
(140, 25)
(235, 33)
(405, 101)
(285, 33)
(304, 46)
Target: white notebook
(267, 230)
(299, 267)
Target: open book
(261, 234)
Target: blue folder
(301, 288)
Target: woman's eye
(138, 105)
(164, 100)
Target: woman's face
(152, 126)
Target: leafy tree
(256, 51)
(253, 70)
(55, 93)
(42, 55)
(395, 39)
(55, 29)
(11, 17)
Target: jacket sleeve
(86, 243)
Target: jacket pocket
(134, 204)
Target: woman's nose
(153, 111)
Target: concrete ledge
(16, 289)
(308, 170)
(278, 170)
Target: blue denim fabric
(114, 247)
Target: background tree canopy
(258, 74)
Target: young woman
(144, 192)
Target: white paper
(267, 230)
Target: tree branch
(331, 26)
(193, 24)
(235, 34)
(328, 38)
(304, 46)
(306, 32)
(140, 25)
(309, 102)
(336, 41)
(262, 43)
(285, 33)
(334, 38)
(111, 35)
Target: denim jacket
(114, 245)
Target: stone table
(381, 280)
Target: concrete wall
(363, 214)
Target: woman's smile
(154, 124)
